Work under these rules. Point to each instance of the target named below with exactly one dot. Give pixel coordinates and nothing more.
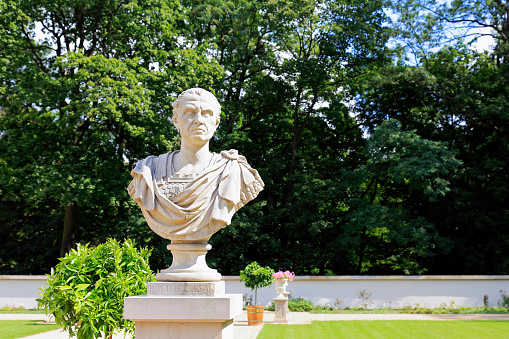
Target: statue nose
(199, 118)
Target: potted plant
(282, 278)
(254, 277)
(86, 290)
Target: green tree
(359, 148)
(424, 26)
(383, 230)
(458, 96)
(288, 67)
(80, 105)
(255, 276)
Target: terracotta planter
(254, 315)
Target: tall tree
(85, 89)
(288, 67)
(458, 96)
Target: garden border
(393, 290)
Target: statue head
(196, 114)
(177, 104)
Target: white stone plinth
(287, 295)
(281, 308)
(183, 310)
(199, 330)
(189, 264)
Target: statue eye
(207, 113)
(190, 111)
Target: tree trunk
(108, 334)
(68, 236)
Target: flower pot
(281, 285)
(254, 315)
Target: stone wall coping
(23, 277)
(326, 278)
(389, 277)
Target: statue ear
(175, 121)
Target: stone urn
(281, 285)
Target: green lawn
(389, 329)
(10, 329)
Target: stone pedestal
(287, 295)
(281, 305)
(189, 264)
(183, 310)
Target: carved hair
(197, 91)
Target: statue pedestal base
(287, 295)
(281, 308)
(183, 310)
(189, 264)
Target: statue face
(196, 120)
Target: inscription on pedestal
(185, 288)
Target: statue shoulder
(153, 161)
(233, 154)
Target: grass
(10, 329)
(380, 329)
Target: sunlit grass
(389, 329)
(10, 329)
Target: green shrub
(300, 305)
(12, 308)
(86, 290)
(326, 307)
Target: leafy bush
(86, 290)
(300, 305)
(12, 308)
(413, 310)
(271, 306)
(303, 305)
(326, 308)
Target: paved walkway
(243, 331)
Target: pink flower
(280, 275)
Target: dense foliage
(86, 290)
(383, 144)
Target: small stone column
(183, 310)
(281, 310)
(287, 294)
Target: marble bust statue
(188, 195)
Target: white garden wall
(20, 290)
(397, 291)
